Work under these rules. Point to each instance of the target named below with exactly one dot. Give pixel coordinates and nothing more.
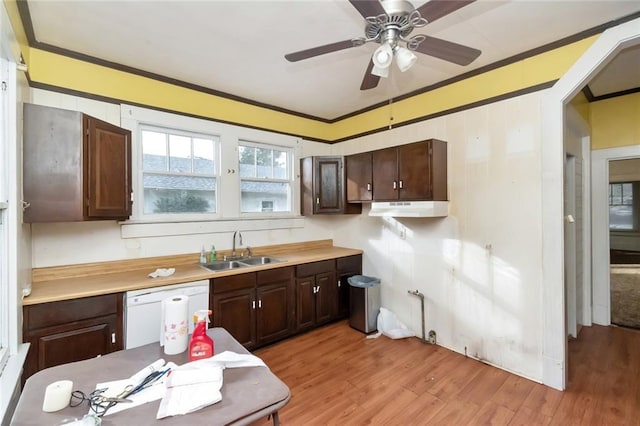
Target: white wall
(479, 268)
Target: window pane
(252, 195)
(280, 165)
(264, 160)
(180, 154)
(247, 160)
(203, 154)
(620, 217)
(154, 151)
(621, 206)
(179, 194)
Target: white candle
(57, 395)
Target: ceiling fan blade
(370, 80)
(368, 7)
(436, 9)
(448, 50)
(320, 50)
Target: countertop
(105, 283)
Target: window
(178, 172)
(624, 202)
(265, 178)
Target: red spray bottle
(201, 345)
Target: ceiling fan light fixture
(405, 58)
(382, 58)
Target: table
(248, 393)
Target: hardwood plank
(338, 377)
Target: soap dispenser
(213, 256)
(203, 256)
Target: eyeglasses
(98, 403)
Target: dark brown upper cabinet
(359, 177)
(411, 172)
(322, 187)
(75, 168)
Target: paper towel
(174, 335)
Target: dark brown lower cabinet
(255, 308)
(316, 294)
(71, 330)
(347, 267)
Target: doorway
(624, 241)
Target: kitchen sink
(243, 262)
(259, 260)
(223, 265)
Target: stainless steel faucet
(233, 250)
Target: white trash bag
(390, 326)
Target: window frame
(181, 217)
(290, 180)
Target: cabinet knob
(253, 304)
(400, 184)
(395, 185)
(113, 338)
(369, 187)
(339, 283)
(260, 303)
(318, 200)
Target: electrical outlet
(432, 337)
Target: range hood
(410, 209)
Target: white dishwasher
(143, 309)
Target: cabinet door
(414, 172)
(235, 311)
(385, 174)
(83, 340)
(107, 174)
(326, 297)
(272, 313)
(328, 184)
(358, 177)
(347, 267)
(305, 303)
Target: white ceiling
(238, 47)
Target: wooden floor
(336, 376)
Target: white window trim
(228, 216)
(291, 180)
(169, 217)
(15, 353)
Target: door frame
(596, 57)
(600, 227)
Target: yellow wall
(581, 104)
(615, 122)
(57, 71)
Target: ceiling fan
(390, 23)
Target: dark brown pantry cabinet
(322, 187)
(71, 330)
(256, 308)
(76, 167)
(411, 172)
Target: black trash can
(364, 302)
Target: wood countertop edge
(79, 287)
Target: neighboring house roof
(156, 166)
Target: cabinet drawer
(349, 263)
(66, 311)
(275, 275)
(233, 282)
(315, 268)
